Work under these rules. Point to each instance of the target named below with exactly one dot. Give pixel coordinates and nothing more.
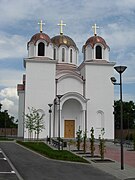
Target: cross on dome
(41, 25)
(95, 27)
(61, 27)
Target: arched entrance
(71, 117)
(73, 114)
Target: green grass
(45, 150)
(6, 139)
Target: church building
(69, 94)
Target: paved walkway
(114, 168)
(32, 166)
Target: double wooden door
(69, 128)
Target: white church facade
(79, 95)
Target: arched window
(98, 52)
(100, 119)
(41, 49)
(63, 54)
(54, 54)
(71, 55)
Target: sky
(19, 22)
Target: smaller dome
(38, 36)
(94, 40)
(63, 40)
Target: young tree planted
(34, 122)
(92, 139)
(79, 138)
(102, 144)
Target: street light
(59, 97)
(120, 70)
(50, 111)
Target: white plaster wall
(49, 51)
(69, 84)
(106, 54)
(89, 53)
(31, 50)
(40, 88)
(100, 91)
(82, 71)
(21, 114)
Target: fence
(8, 131)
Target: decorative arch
(100, 119)
(41, 49)
(70, 75)
(76, 96)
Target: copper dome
(63, 40)
(94, 40)
(38, 36)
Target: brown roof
(38, 36)
(94, 40)
(20, 87)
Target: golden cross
(41, 25)
(95, 27)
(61, 28)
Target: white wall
(99, 90)
(40, 87)
(70, 84)
(21, 114)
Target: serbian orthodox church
(69, 94)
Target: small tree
(79, 138)
(39, 123)
(84, 141)
(92, 139)
(34, 122)
(102, 144)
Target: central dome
(63, 40)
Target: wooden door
(69, 128)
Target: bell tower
(96, 47)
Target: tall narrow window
(71, 55)
(63, 54)
(98, 52)
(54, 54)
(41, 49)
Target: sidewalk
(114, 168)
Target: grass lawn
(45, 150)
(5, 139)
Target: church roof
(94, 40)
(39, 36)
(63, 40)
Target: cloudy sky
(19, 21)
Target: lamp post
(50, 111)
(120, 70)
(59, 97)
